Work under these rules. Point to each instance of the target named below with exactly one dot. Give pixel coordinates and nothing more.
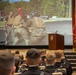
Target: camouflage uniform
(20, 34)
(9, 23)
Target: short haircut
(58, 55)
(17, 52)
(50, 57)
(6, 62)
(33, 55)
(43, 55)
(43, 52)
(61, 52)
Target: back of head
(6, 62)
(62, 53)
(50, 57)
(17, 52)
(58, 56)
(43, 55)
(20, 12)
(32, 56)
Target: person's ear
(26, 61)
(55, 61)
(13, 70)
(45, 60)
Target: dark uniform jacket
(58, 64)
(17, 62)
(50, 69)
(66, 65)
(34, 70)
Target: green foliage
(49, 8)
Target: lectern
(56, 41)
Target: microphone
(56, 31)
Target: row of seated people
(33, 61)
(50, 62)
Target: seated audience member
(58, 60)
(7, 63)
(22, 59)
(33, 59)
(59, 64)
(65, 63)
(43, 57)
(17, 60)
(50, 61)
(63, 58)
(17, 53)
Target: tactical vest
(10, 20)
(17, 22)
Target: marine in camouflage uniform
(20, 34)
(29, 32)
(8, 21)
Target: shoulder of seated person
(45, 73)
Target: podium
(56, 41)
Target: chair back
(17, 73)
(63, 70)
(42, 67)
(57, 73)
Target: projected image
(28, 22)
